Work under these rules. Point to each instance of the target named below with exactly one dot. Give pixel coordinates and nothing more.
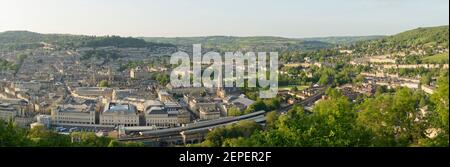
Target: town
(59, 90)
(121, 88)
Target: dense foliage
(435, 36)
(20, 40)
(344, 40)
(121, 42)
(420, 39)
(162, 78)
(103, 83)
(6, 65)
(12, 136)
(398, 120)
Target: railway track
(175, 132)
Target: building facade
(73, 115)
(7, 112)
(169, 114)
(119, 114)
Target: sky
(181, 18)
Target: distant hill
(426, 41)
(417, 38)
(122, 42)
(344, 40)
(243, 43)
(432, 36)
(20, 36)
(17, 40)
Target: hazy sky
(288, 18)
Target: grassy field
(439, 58)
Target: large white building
(13, 109)
(7, 112)
(119, 114)
(160, 117)
(168, 114)
(73, 115)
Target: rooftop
(91, 89)
(6, 107)
(243, 100)
(82, 108)
(120, 108)
(149, 103)
(156, 110)
(163, 93)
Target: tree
(271, 117)
(103, 83)
(294, 89)
(11, 136)
(359, 79)
(272, 104)
(324, 79)
(163, 79)
(219, 136)
(115, 143)
(333, 93)
(257, 106)
(388, 119)
(441, 101)
(332, 123)
(133, 144)
(439, 116)
(45, 138)
(89, 139)
(395, 121)
(234, 111)
(426, 79)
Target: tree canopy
(401, 118)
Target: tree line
(13, 136)
(399, 118)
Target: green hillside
(243, 43)
(429, 41)
(343, 40)
(122, 42)
(436, 59)
(17, 40)
(429, 36)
